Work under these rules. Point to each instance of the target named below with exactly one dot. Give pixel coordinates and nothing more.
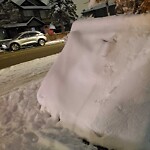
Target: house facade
(24, 15)
(102, 9)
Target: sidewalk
(55, 42)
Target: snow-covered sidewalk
(55, 41)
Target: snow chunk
(99, 85)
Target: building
(102, 9)
(30, 15)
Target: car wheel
(41, 42)
(14, 46)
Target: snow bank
(99, 85)
(22, 125)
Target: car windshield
(16, 36)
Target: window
(28, 13)
(24, 36)
(32, 34)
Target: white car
(25, 39)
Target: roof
(1, 1)
(35, 7)
(99, 6)
(45, 2)
(14, 25)
(19, 2)
(30, 32)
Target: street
(12, 58)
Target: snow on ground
(101, 84)
(99, 87)
(54, 42)
(23, 126)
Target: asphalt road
(8, 59)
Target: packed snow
(99, 87)
(23, 126)
(101, 91)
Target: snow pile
(99, 85)
(22, 125)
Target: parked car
(25, 39)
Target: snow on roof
(45, 2)
(35, 7)
(13, 25)
(1, 1)
(19, 2)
